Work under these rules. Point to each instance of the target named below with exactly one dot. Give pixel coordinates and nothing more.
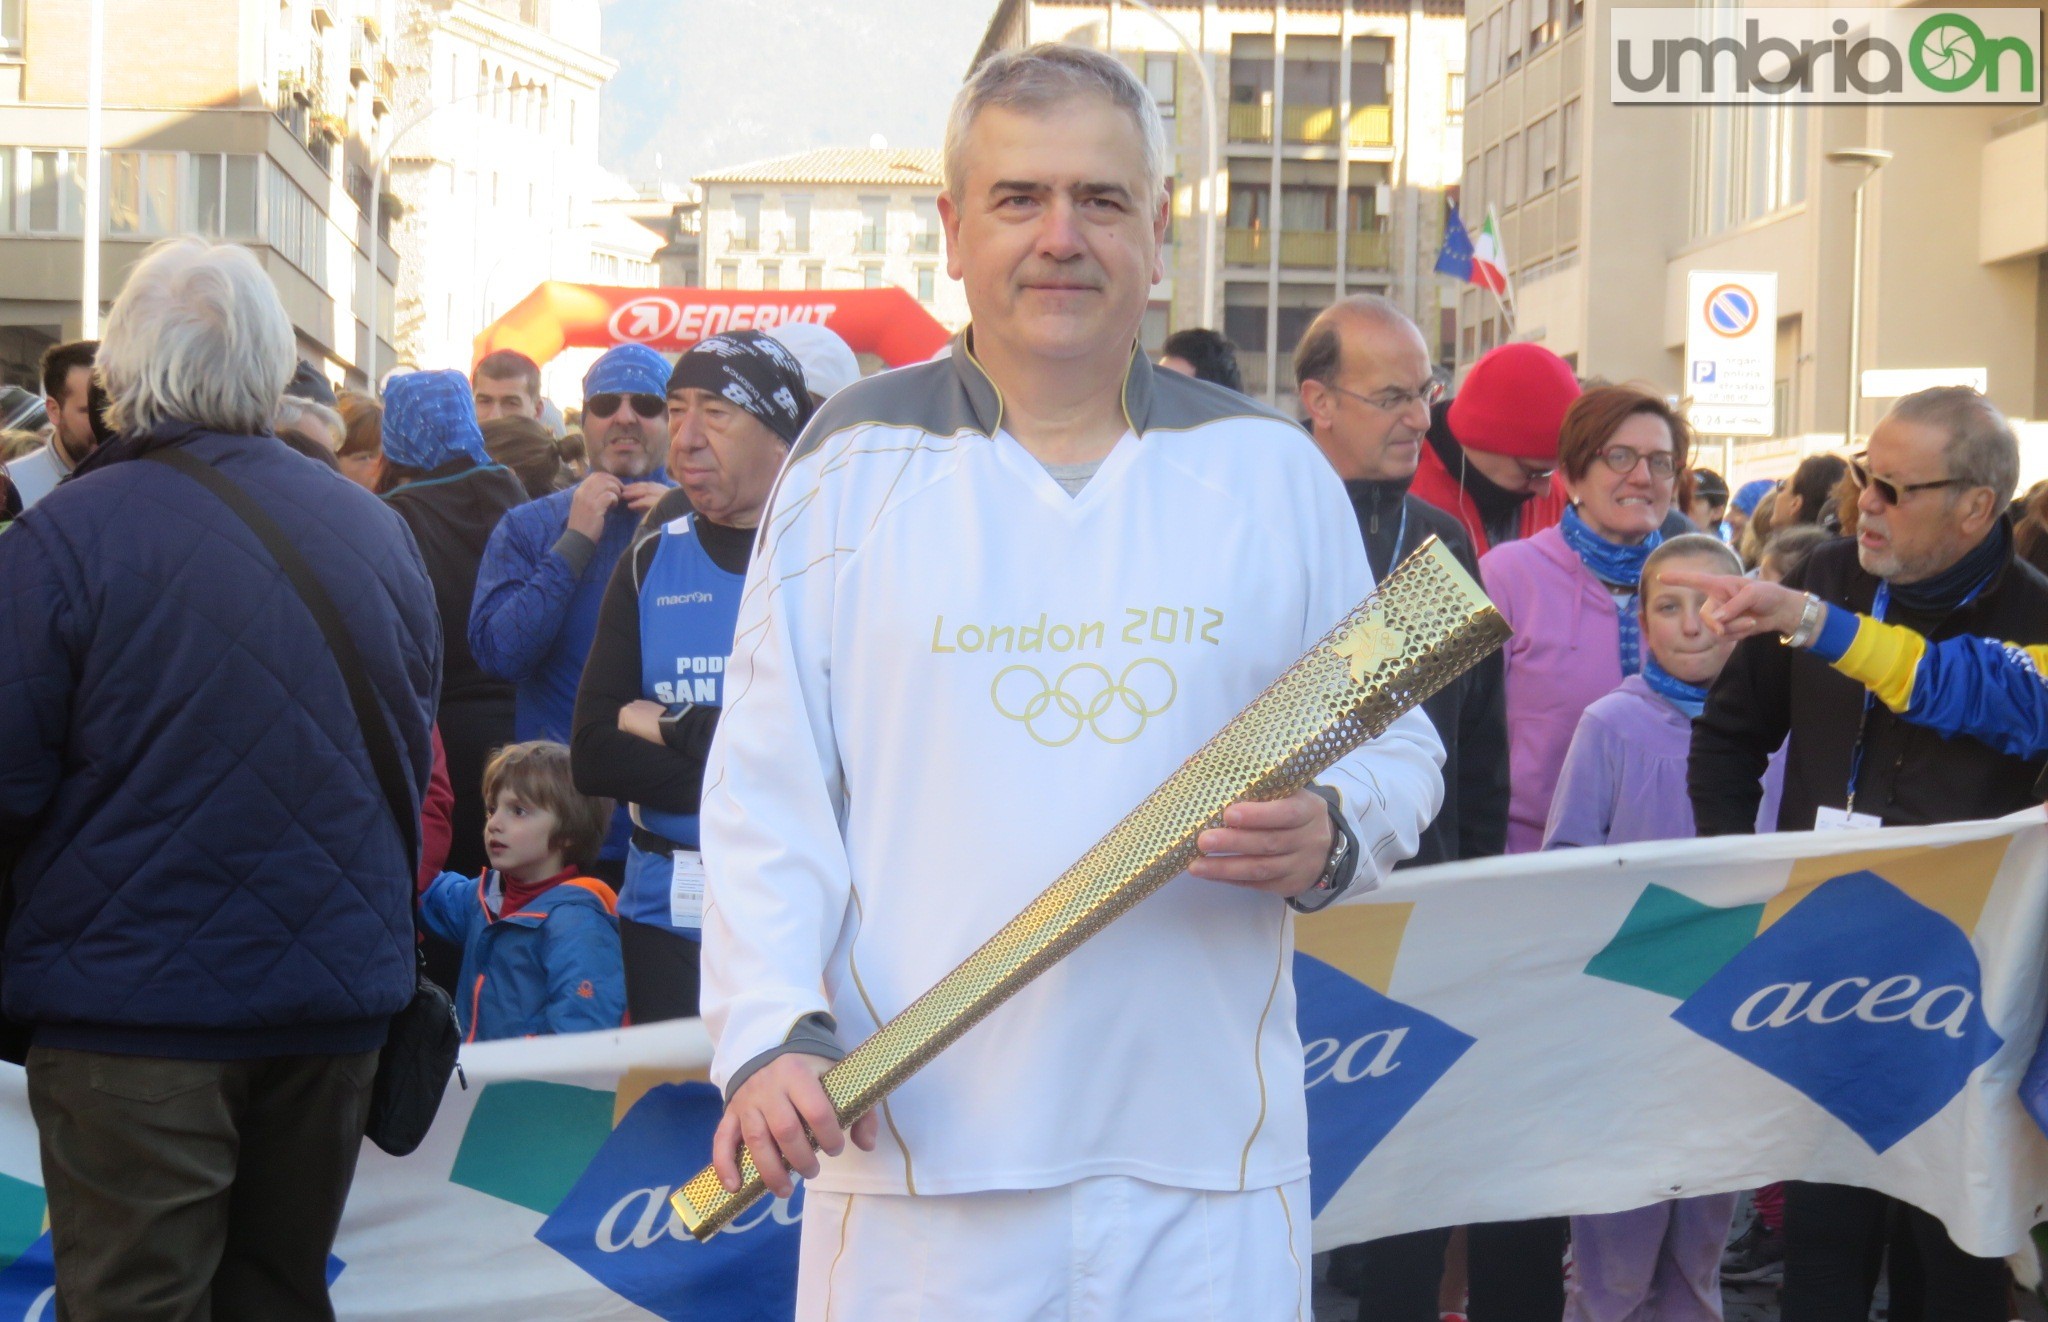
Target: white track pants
(1106, 1249)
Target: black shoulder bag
(419, 1053)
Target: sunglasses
(606, 404)
(1891, 493)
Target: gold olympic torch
(1426, 625)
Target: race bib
(686, 890)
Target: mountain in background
(704, 84)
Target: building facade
(1339, 127)
(494, 160)
(1606, 209)
(242, 119)
(840, 218)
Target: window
(292, 223)
(1474, 194)
(1511, 173)
(1575, 14)
(1308, 207)
(56, 192)
(1475, 52)
(771, 275)
(1542, 158)
(6, 190)
(926, 238)
(1454, 97)
(1159, 79)
(1370, 58)
(1511, 50)
(870, 276)
(814, 275)
(874, 224)
(746, 223)
(142, 192)
(1568, 131)
(1542, 24)
(1494, 196)
(927, 283)
(1493, 48)
(1748, 161)
(798, 209)
(10, 37)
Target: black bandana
(753, 371)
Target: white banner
(1583, 1031)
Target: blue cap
(629, 369)
(430, 418)
(1752, 494)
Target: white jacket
(949, 679)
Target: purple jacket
(1624, 779)
(1566, 653)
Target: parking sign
(1731, 351)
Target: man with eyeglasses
(1933, 552)
(1490, 460)
(543, 574)
(1366, 387)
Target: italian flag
(1489, 263)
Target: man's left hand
(1279, 847)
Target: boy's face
(1672, 627)
(520, 839)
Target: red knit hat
(1513, 401)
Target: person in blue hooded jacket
(540, 941)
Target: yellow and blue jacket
(1993, 691)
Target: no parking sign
(1731, 349)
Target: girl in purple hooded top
(1623, 781)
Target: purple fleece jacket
(1565, 653)
(1623, 780)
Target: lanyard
(1400, 538)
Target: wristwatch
(1811, 616)
(672, 718)
(1337, 870)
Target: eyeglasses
(1621, 459)
(1394, 401)
(606, 404)
(1891, 493)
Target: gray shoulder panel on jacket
(1181, 403)
(928, 396)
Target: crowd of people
(649, 686)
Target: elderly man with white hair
(212, 923)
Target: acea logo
(1857, 985)
(1369, 1057)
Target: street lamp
(1870, 160)
(377, 204)
(1205, 198)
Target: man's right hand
(1740, 607)
(594, 498)
(769, 1113)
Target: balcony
(381, 92)
(1310, 249)
(1313, 125)
(740, 242)
(1368, 251)
(362, 56)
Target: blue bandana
(1688, 698)
(1617, 566)
(629, 369)
(430, 418)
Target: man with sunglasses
(1934, 553)
(544, 572)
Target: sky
(705, 84)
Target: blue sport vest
(688, 610)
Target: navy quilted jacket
(206, 867)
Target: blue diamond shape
(1370, 1060)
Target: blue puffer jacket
(552, 967)
(207, 865)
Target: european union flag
(1455, 257)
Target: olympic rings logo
(1085, 697)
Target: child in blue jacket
(540, 941)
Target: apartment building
(1339, 128)
(839, 218)
(239, 119)
(1606, 209)
(495, 165)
